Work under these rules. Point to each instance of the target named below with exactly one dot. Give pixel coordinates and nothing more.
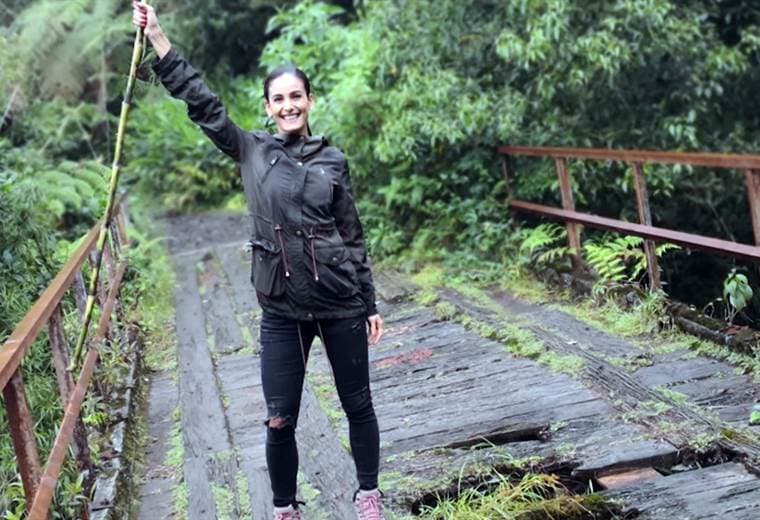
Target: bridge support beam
(21, 427)
(752, 179)
(645, 218)
(566, 191)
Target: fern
(61, 42)
(621, 259)
(539, 244)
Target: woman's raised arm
(183, 82)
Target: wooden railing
(39, 483)
(636, 159)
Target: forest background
(418, 93)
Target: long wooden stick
(137, 52)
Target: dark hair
(286, 69)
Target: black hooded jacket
(309, 257)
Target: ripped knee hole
(277, 422)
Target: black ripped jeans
(285, 345)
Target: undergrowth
(534, 496)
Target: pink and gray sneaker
(287, 513)
(367, 505)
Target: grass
(310, 495)
(324, 390)
(244, 497)
(646, 318)
(174, 462)
(151, 293)
(534, 496)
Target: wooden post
(121, 225)
(21, 426)
(80, 292)
(60, 351)
(752, 179)
(645, 217)
(573, 233)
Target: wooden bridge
(464, 388)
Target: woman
(309, 267)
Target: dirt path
(452, 405)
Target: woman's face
(288, 104)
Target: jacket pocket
(267, 275)
(336, 271)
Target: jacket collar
(304, 145)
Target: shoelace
(290, 515)
(369, 508)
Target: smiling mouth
(291, 117)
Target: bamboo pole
(137, 53)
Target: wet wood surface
(453, 406)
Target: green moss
(445, 311)
(175, 456)
(181, 501)
(646, 409)
(324, 389)
(677, 397)
(152, 274)
(244, 496)
(426, 298)
(429, 277)
(310, 495)
(224, 502)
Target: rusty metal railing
(39, 483)
(636, 159)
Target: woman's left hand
(375, 323)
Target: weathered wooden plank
(719, 390)
(219, 313)
(204, 428)
(200, 504)
(159, 483)
(246, 410)
(391, 287)
(630, 393)
(197, 233)
(236, 263)
(539, 401)
(726, 491)
(681, 371)
(324, 462)
(627, 478)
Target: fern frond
(542, 236)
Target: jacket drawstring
(321, 335)
(311, 237)
(278, 229)
(300, 342)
